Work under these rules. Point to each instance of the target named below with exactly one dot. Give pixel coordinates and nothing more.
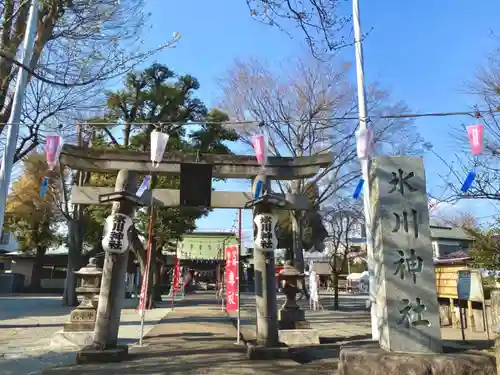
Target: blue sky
(422, 51)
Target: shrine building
(203, 253)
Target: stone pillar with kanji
(265, 243)
(405, 287)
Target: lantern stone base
(289, 317)
(81, 319)
(291, 344)
(375, 361)
(79, 326)
(91, 355)
(71, 340)
(78, 332)
(298, 337)
(263, 353)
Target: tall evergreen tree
(158, 96)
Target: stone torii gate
(128, 164)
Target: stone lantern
(84, 316)
(290, 314)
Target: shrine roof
(449, 233)
(457, 256)
(209, 234)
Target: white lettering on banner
(230, 298)
(230, 278)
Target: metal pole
(365, 164)
(17, 105)
(238, 277)
(173, 279)
(148, 264)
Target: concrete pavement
(27, 323)
(351, 323)
(197, 337)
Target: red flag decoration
(232, 279)
(475, 133)
(52, 150)
(177, 274)
(145, 278)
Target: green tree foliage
(485, 251)
(34, 220)
(158, 96)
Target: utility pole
(365, 164)
(17, 105)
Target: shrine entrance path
(28, 322)
(197, 337)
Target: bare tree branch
(103, 75)
(461, 220)
(297, 104)
(77, 43)
(486, 87)
(342, 219)
(319, 21)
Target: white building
(8, 242)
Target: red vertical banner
(232, 278)
(145, 279)
(177, 274)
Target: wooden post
(451, 314)
(495, 323)
(470, 317)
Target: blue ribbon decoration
(469, 180)
(43, 188)
(258, 190)
(359, 189)
(144, 185)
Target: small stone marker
(407, 305)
